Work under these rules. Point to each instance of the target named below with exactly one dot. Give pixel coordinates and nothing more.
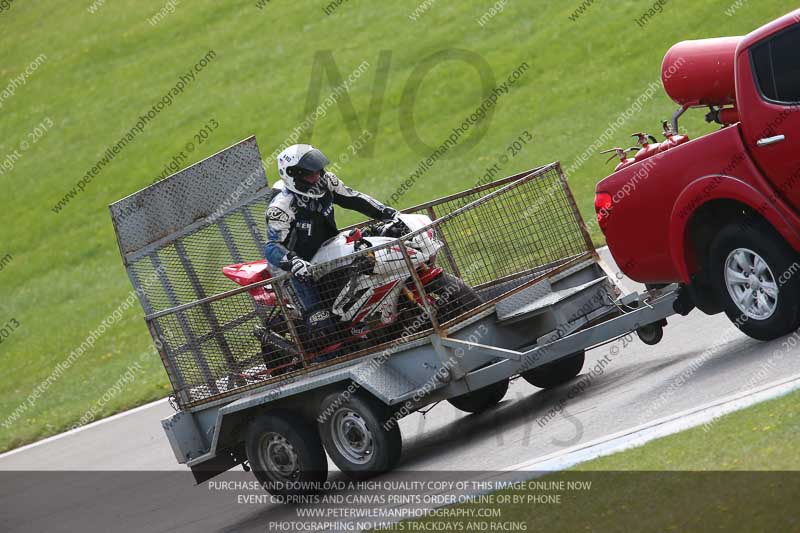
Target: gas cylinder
(701, 72)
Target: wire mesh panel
(372, 287)
(175, 236)
(533, 227)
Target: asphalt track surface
(137, 485)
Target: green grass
(762, 437)
(737, 474)
(104, 70)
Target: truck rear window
(776, 63)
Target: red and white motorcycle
(372, 298)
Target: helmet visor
(312, 161)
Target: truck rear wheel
(285, 454)
(481, 399)
(360, 435)
(755, 276)
(556, 373)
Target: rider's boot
(324, 336)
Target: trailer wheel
(285, 454)
(481, 399)
(651, 334)
(556, 373)
(755, 276)
(359, 435)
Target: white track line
(639, 435)
(83, 428)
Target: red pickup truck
(719, 214)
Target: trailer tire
(556, 373)
(278, 440)
(736, 254)
(651, 334)
(354, 434)
(481, 399)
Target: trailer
(515, 288)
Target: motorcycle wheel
(276, 347)
(453, 296)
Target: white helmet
(297, 163)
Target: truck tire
(356, 437)
(285, 454)
(481, 399)
(754, 274)
(556, 373)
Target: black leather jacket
(298, 225)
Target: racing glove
(395, 227)
(301, 269)
(389, 215)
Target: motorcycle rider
(300, 218)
